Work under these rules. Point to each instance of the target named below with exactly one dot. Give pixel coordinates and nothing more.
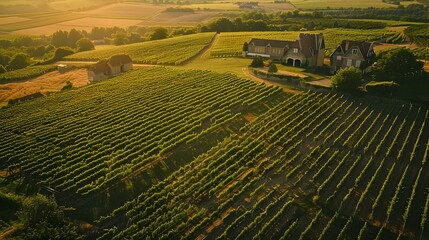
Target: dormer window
(354, 51)
(295, 50)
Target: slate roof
(104, 66)
(364, 47)
(272, 43)
(100, 67)
(310, 43)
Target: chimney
(347, 46)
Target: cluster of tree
(39, 217)
(291, 21)
(398, 65)
(412, 12)
(394, 70)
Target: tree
(347, 79)
(222, 25)
(272, 68)
(72, 38)
(23, 41)
(39, 52)
(42, 218)
(398, 65)
(4, 60)
(134, 37)
(120, 38)
(159, 33)
(245, 47)
(84, 44)
(62, 52)
(2, 69)
(257, 62)
(59, 38)
(18, 61)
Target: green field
(230, 44)
(171, 51)
(203, 154)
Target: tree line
(285, 21)
(25, 50)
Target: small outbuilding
(108, 68)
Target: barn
(110, 67)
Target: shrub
(382, 88)
(62, 52)
(347, 79)
(84, 44)
(257, 62)
(68, 86)
(273, 68)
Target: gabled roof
(364, 47)
(100, 67)
(272, 43)
(118, 60)
(311, 44)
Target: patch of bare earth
(326, 82)
(250, 117)
(50, 82)
(218, 221)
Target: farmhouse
(353, 53)
(306, 50)
(110, 67)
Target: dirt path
(203, 52)
(285, 87)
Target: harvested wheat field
(129, 10)
(178, 18)
(86, 23)
(50, 82)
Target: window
(295, 50)
(357, 63)
(339, 58)
(349, 62)
(354, 51)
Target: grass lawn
(300, 71)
